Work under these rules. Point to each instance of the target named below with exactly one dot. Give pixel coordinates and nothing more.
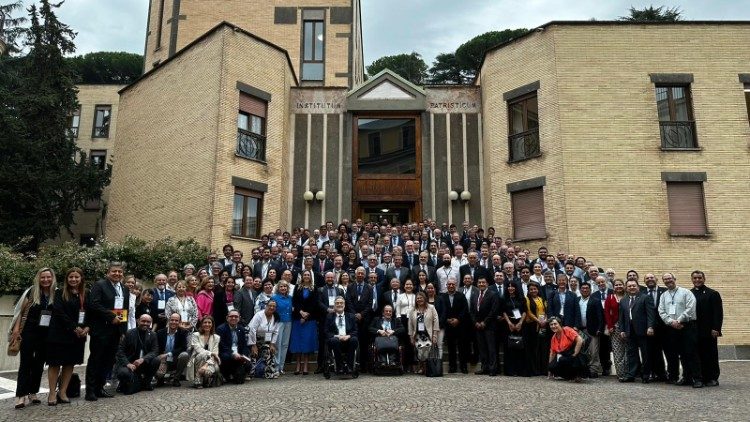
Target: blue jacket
(225, 344)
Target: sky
(429, 27)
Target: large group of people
(341, 289)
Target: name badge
(420, 326)
(516, 313)
(183, 316)
(119, 302)
(141, 354)
(81, 316)
(267, 337)
(162, 304)
(45, 318)
(234, 349)
(331, 301)
(230, 307)
(169, 357)
(672, 309)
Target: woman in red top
(564, 352)
(613, 330)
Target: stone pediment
(386, 91)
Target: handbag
(434, 366)
(74, 386)
(515, 342)
(14, 345)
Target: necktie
(359, 289)
(652, 292)
(341, 320)
(481, 297)
(170, 343)
(374, 299)
(395, 295)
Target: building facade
(594, 138)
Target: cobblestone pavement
(414, 398)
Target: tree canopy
(44, 176)
(653, 14)
(10, 26)
(106, 67)
(409, 66)
(469, 55)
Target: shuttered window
(687, 212)
(528, 214)
(252, 105)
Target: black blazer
(323, 299)
(349, 320)
(709, 310)
(180, 341)
(644, 315)
(130, 347)
(101, 304)
(594, 317)
(155, 311)
(388, 298)
(478, 271)
(65, 320)
(488, 311)
(459, 310)
(572, 313)
(359, 304)
(220, 309)
(225, 343)
(396, 326)
(299, 303)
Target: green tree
(10, 26)
(44, 176)
(409, 66)
(445, 70)
(471, 53)
(653, 14)
(106, 67)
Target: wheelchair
(387, 357)
(330, 369)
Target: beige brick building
(625, 143)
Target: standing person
(424, 328)
(109, 302)
(284, 309)
(183, 305)
(600, 294)
(244, 300)
(710, 312)
(326, 299)
(637, 319)
(613, 328)
(656, 342)
(455, 320)
(359, 302)
(563, 304)
(67, 334)
(404, 305)
(484, 310)
(535, 333)
(304, 327)
(205, 298)
(592, 323)
(161, 295)
(31, 325)
(677, 310)
(224, 299)
(513, 309)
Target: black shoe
(91, 397)
(606, 372)
(61, 401)
(697, 384)
(645, 380)
(103, 394)
(712, 383)
(160, 382)
(452, 370)
(593, 375)
(670, 381)
(627, 379)
(684, 381)
(176, 382)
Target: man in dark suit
(484, 310)
(592, 323)
(471, 293)
(473, 268)
(397, 270)
(341, 336)
(321, 263)
(600, 294)
(161, 295)
(710, 311)
(359, 302)
(289, 264)
(637, 320)
(564, 305)
(172, 349)
(387, 326)
(260, 269)
(422, 265)
(235, 266)
(455, 319)
(655, 342)
(107, 316)
(372, 267)
(244, 301)
(137, 359)
(233, 349)
(411, 256)
(326, 300)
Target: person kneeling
(233, 349)
(341, 335)
(173, 356)
(565, 360)
(137, 359)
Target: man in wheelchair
(386, 331)
(341, 336)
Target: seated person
(233, 349)
(172, 350)
(136, 359)
(385, 331)
(341, 335)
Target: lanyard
(673, 295)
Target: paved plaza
(414, 398)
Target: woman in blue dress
(304, 322)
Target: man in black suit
(341, 336)
(564, 304)
(137, 359)
(390, 296)
(321, 263)
(289, 264)
(172, 350)
(260, 269)
(326, 300)
(637, 320)
(600, 294)
(387, 326)
(107, 316)
(398, 270)
(422, 265)
(359, 302)
(455, 320)
(591, 322)
(710, 311)
(484, 310)
(655, 342)
(411, 256)
(233, 349)
(473, 268)
(244, 301)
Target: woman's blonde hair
(36, 289)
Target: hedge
(143, 259)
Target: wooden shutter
(528, 214)
(687, 213)
(252, 105)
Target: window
(747, 100)
(251, 127)
(313, 45)
(387, 146)
(676, 123)
(88, 240)
(101, 121)
(523, 128)
(687, 212)
(99, 158)
(528, 214)
(248, 208)
(74, 121)
(159, 24)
